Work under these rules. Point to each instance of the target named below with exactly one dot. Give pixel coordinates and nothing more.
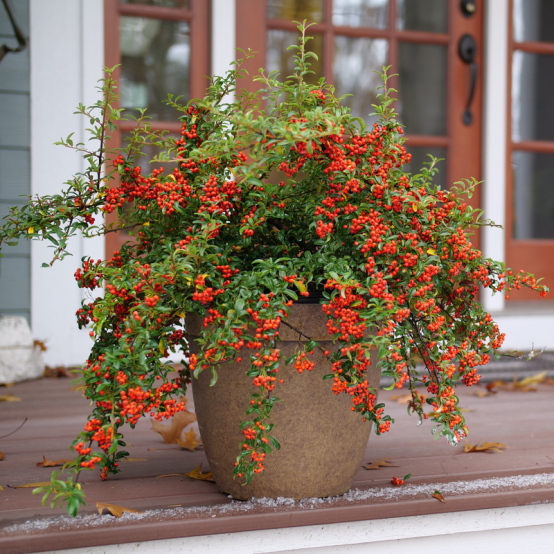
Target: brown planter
(322, 440)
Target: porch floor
(177, 506)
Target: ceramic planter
(322, 440)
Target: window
(162, 46)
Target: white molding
(494, 530)
(495, 131)
(526, 331)
(66, 60)
(223, 39)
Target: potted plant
(273, 198)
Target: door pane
(533, 20)
(155, 60)
(354, 64)
(422, 88)
(422, 15)
(278, 57)
(533, 198)
(182, 4)
(532, 103)
(297, 10)
(361, 13)
(420, 157)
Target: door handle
(467, 50)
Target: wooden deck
(177, 506)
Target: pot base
(322, 440)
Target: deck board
(524, 421)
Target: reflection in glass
(361, 13)
(532, 105)
(281, 59)
(150, 151)
(533, 198)
(422, 15)
(312, 10)
(533, 20)
(354, 63)
(181, 4)
(155, 57)
(422, 88)
(420, 157)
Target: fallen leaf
(33, 485)
(9, 398)
(58, 371)
(161, 449)
(133, 460)
(402, 398)
(379, 464)
(170, 475)
(40, 345)
(1, 488)
(190, 442)
(532, 380)
(549, 381)
(197, 474)
(174, 505)
(439, 496)
(50, 463)
(482, 393)
(114, 509)
(526, 384)
(171, 433)
(1, 455)
(485, 447)
(465, 410)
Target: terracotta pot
(322, 440)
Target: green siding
(15, 274)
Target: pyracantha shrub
(269, 196)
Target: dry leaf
(1, 455)
(174, 505)
(379, 464)
(9, 398)
(170, 475)
(525, 385)
(485, 447)
(58, 372)
(114, 509)
(465, 410)
(171, 433)
(1, 488)
(50, 463)
(40, 345)
(33, 485)
(190, 442)
(133, 460)
(482, 393)
(197, 474)
(439, 496)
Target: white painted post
(496, 88)
(223, 40)
(66, 60)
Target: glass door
(530, 222)
(419, 38)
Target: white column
(223, 36)
(496, 130)
(66, 51)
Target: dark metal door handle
(467, 50)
